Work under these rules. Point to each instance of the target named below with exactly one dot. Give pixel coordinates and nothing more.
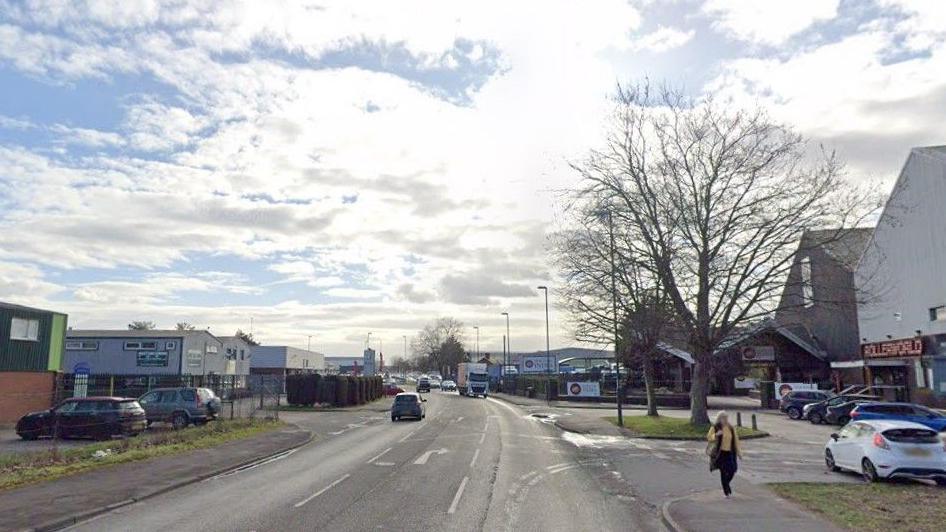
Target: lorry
(472, 379)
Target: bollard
(755, 426)
(738, 419)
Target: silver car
(408, 404)
(180, 406)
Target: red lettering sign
(909, 347)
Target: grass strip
(674, 428)
(872, 507)
(25, 468)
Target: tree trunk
(649, 385)
(699, 387)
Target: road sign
(81, 368)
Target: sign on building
(538, 364)
(758, 353)
(782, 388)
(584, 389)
(895, 348)
(152, 359)
(194, 358)
(369, 362)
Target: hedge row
(538, 385)
(333, 390)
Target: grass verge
(872, 507)
(674, 428)
(25, 468)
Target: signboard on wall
(745, 383)
(908, 347)
(194, 358)
(583, 389)
(152, 359)
(782, 388)
(758, 353)
(538, 364)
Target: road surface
(473, 464)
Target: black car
(840, 414)
(793, 403)
(94, 417)
(423, 385)
(816, 412)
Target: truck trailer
(472, 379)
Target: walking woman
(725, 450)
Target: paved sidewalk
(752, 507)
(52, 505)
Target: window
(66, 407)
(938, 313)
(140, 345)
(807, 290)
(130, 346)
(149, 398)
(242, 352)
(211, 348)
(82, 346)
(24, 329)
(189, 395)
(170, 345)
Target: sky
(331, 169)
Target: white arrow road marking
(564, 468)
(382, 453)
(422, 459)
(456, 498)
(476, 454)
(323, 490)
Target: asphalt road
(473, 464)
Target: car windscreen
(912, 436)
(405, 399)
(479, 377)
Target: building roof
(935, 151)
(843, 245)
(127, 333)
(769, 324)
(13, 306)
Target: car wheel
(829, 461)
(793, 412)
(815, 418)
(179, 420)
(29, 436)
(393, 418)
(868, 471)
(843, 420)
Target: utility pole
(619, 391)
(477, 329)
(507, 353)
(548, 350)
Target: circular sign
(82, 368)
(529, 364)
(784, 389)
(575, 388)
(748, 353)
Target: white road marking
(482, 437)
(253, 465)
(409, 434)
(556, 466)
(504, 405)
(459, 419)
(476, 454)
(422, 459)
(566, 468)
(385, 464)
(323, 490)
(384, 452)
(456, 498)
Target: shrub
(294, 389)
(341, 391)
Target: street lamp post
(368, 341)
(548, 351)
(619, 391)
(507, 352)
(308, 346)
(405, 346)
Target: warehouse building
(148, 352)
(31, 349)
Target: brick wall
(24, 391)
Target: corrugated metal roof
(844, 245)
(13, 306)
(127, 333)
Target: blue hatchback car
(902, 412)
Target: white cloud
(662, 39)
(768, 22)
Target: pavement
(53, 505)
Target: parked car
(815, 412)
(435, 383)
(95, 417)
(794, 402)
(883, 449)
(448, 386)
(840, 414)
(408, 405)
(902, 412)
(391, 389)
(180, 406)
(423, 385)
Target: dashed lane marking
(321, 491)
(476, 454)
(456, 498)
(382, 453)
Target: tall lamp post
(477, 329)
(508, 351)
(548, 351)
(308, 346)
(368, 341)
(619, 388)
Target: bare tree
(246, 337)
(441, 344)
(712, 200)
(630, 303)
(183, 326)
(142, 326)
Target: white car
(884, 449)
(448, 386)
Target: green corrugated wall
(42, 355)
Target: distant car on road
(391, 389)
(435, 383)
(881, 449)
(902, 412)
(448, 386)
(793, 403)
(180, 406)
(423, 385)
(408, 405)
(815, 412)
(95, 417)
